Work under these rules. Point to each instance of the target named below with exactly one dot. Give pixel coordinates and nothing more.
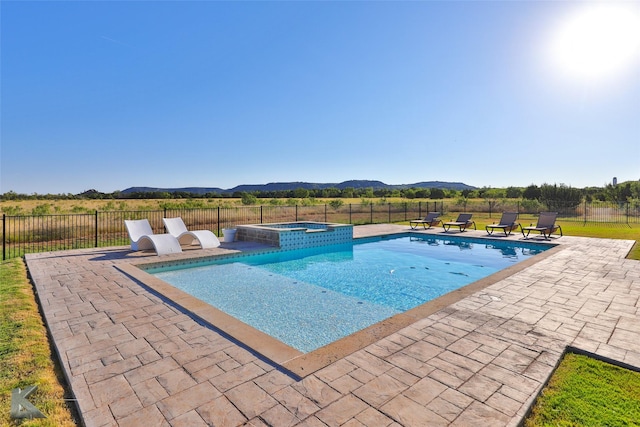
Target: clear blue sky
(108, 95)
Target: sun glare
(598, 42)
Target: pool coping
(295, 361)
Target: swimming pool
(309, 298)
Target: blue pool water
(311, 297)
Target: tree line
(546, 193)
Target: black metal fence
(39, 233)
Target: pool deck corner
(133, 357)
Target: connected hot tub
(296, 235)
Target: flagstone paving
(133, 358)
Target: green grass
(25, 355)
(588, 392)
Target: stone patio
(132, 357)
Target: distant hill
(287, 186)
(194, 190)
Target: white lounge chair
(142, 238)
(205, 238)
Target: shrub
(436, 193)
(79, 209)
(557, 197)
(43, 209)
(12, 210)
(514, 192)
(462, 202)
(531, 205)
(532, 192)
(249, 199)
(336, 204)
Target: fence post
(96, 224)
(389, 213)
(218, 220)
(4, 237)
(371, 213)
(261, 214)
(585, 212)
(325, 212)
(350, 214)
(628, 205)
(296, 213)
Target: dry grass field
(29, 207)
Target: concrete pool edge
(293, 360)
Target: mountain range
(288, 186)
